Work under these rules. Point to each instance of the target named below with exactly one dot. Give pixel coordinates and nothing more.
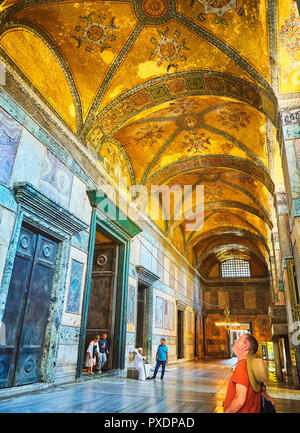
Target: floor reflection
(196, 387)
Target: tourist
(161, 358)
(139, 364)
(245, 386)
(103, 351)
(92, 354)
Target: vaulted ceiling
(165, 92)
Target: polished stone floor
(197, 387)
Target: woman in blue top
(161, 358)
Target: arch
(37, 31)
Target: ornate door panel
(14, 308)
(36, 313)
(102, 296)
(26, 310)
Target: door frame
(180, 308)
(42, 214)
(141, 288)
(121, 230)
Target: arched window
(233, 268)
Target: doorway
(26, 310)
(102, 301)
(180, 324)
(140, 319)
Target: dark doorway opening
(180, 323)
(140, 320)
(26, 310)
(102, 301)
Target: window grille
(234, 268)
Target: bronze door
(27, 310)
(101, 313)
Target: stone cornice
(146, 276)
(37, 205)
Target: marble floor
(194, 387)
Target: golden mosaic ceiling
(164, 92)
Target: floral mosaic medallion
(218, 7)
(182, 106)
(96, 33)
(196, 142)
(154, 8)
(227, 147)
(290, 32)
(148, 135)
(168, 49)
(189, 121)
(233, 118)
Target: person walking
(103, 352)
(161, 358)
(92, 354)
(245, 386)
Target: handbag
(266, 406)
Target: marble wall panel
(154, 260)
(223, 299)
(159, 312)
(166, 315)
(160, 262)
(75, 284)
(56, 180)
(172, 316)
(79, 202)
(250, 299)
(236, 300)
(10, 133)
(131, 303)
(7, 198)
(7, 220)
(166, 271)
(67, 354)
(69, 335)
(29, 160)
(172, 275)
(81, 241)
(74, 288)
(146, 250)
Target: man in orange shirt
(240, 397)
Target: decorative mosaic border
(194, 163)
(241, 233)
(227, 213)
(175, 86)
(152, 19)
